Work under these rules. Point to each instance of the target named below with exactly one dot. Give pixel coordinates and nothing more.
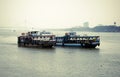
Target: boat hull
(78, 45)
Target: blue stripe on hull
(77, 45)
(60, 44)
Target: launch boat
(37, 38)
(71, 39)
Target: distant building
(86, 24)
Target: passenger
(32, 40)
(51, 37)
(26, 40)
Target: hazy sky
(58, 13)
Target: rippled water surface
(103, 61)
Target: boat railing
(80, 39)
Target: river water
(103, 61)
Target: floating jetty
(47, 39)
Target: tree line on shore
(106, 28)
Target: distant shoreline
(109, 28)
